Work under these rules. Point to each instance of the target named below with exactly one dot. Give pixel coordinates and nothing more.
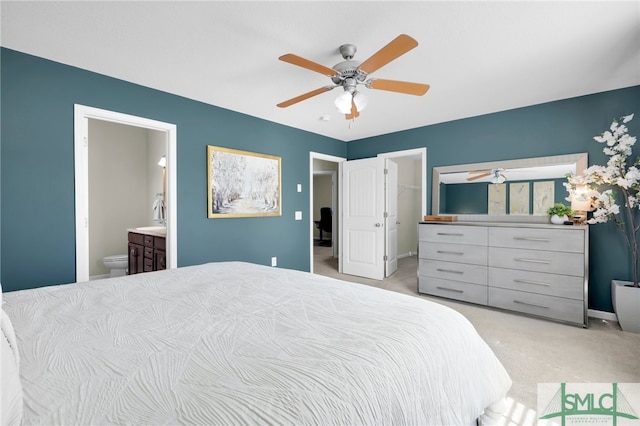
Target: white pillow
(11, 398)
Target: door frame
(333, 159)
(81, 116)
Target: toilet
(117, 264)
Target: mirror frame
(580, 160)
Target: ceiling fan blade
(305, 96)
(398, 86)
(396, 48)
(305, 63)
(354, 112)
(480, 176)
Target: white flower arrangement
(619, 176)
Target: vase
(558, 220)
(626, 304)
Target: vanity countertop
(156, 231)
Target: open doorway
(412, 184)
(323, 195)
(165, 132)
(412, 196)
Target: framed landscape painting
(242, 183)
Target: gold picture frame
(242, 183)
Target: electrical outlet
(274, 261)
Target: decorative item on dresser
(537, 269)
(559, 213)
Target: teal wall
(37, 222)
(555, 128)
(37, 171)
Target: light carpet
(532, 350)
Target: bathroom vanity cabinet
(147, 252)
(536, 269)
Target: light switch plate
(298, 215)
(299, 187)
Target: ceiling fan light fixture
(361, 100)
(497, 178)
(343, 102)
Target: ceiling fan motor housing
(346, 70)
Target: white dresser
(537, 269)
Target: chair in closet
(324, 224)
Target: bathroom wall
(156, 148)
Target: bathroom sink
(154, 229)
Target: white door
(391, 218)
(364, 234)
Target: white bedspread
(236, 343)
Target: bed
(235, 343)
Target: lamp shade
(343, 103)
(361, 100)
(580, 204)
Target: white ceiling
(478, 56)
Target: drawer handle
(530, 304)
(451, 234)
(450, 289)
(532, 282)
(543, 240)
(521, 259)
(451, 271)
(459, 253)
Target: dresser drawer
(571, 287)
(536, 304)
(461, 253)
(538, 239)
(453, 234)
(136, 238)
(148, 265)
(537, 260)
(159, 243)
(466, 292)
(148, 252)
(148, 240)
(474, 274)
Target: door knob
(378, 225)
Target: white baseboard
(610, 316)
(400, 256)
(98, 277)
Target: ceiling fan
(497, 175)
(350, 73)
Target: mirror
(510, 190)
